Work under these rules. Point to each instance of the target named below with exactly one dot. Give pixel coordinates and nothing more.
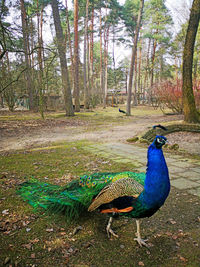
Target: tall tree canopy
(41, 61)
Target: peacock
(122, 111)
(130, 194)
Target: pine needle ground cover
(38, 238)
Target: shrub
(169, 95)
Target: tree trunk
(63, 62)
(146, 77)
(113, 57)
(161, 68)
(139, 71)
(101, 61)
(91, 50)
(88, 66)
(153, 61)
(134, 49)
(27, 58)
(189, 107)
(135, 82)
(105, 72)
(32, 44)
(9, 93)
(40, 73)
(104, 59)
(86, 95)
(70, 44)
(76, 58)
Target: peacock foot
(141, 242)
(110, 232)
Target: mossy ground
(37, 238)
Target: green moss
(144, 141)
(133, 139)
(174, 147)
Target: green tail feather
(75, 197)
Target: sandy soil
(39, 133)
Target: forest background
(64, 55)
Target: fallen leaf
(182, 258)
(49, 229)
(7, 260)
(66, 260)
(174, 237)
(85, 245)
(2, 176)
(77, 229)
(181, 234)
(7, 232)
(28, 246)
(63, 233)
(5, 212)
(141, 263)
(33, 256)
(36, 240)
(157, 235)
(195, 243)
(172, 221)
(168, 234)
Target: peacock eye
(159, 140)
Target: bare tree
(27, 53)
(76, 58)
(68, 32)
(101, 61)
(63, 61)
(86, 94)
(91, 49)
(134, 50)
(40, 73)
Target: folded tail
(68, 199)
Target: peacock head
(159, 141)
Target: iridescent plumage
(131, 194)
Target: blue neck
(157, 185)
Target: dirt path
(25, 137)
(61, 133)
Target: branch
(3, 89)
(16, 80)
(22, 51)
(2, 54)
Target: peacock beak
(167, 142)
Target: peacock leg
(140, 241)
(109, 230)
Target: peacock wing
(120, 188)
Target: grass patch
(36, 238)
(20, 224)
(42, 239)
(111, 114)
